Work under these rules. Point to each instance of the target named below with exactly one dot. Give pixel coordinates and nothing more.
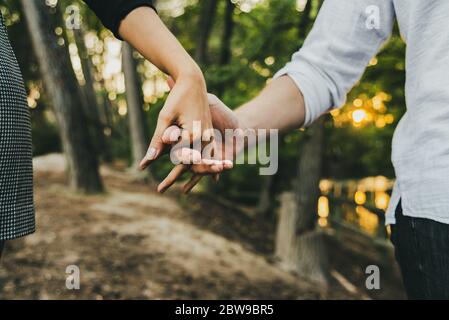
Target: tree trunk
(265, 196)
(105, 110)
(64, 93)
(91, 102)
(305, 21)
(225, 50)
(299, 244)
(208, 10)
(136, 115)
(267, 193)
(226, 54)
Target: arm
(337, 51)
(136, 22)
(320, 74)
(279, 106)
(144, 30)
(187, 101)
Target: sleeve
(345, 36)
(112, 12)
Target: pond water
(358, 204)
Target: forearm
(279, 106)
(145, 31)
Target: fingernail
(151, 154)
(228, 164)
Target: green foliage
(358, 152)
(275, 29)
(262, 41)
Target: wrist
(242, 122)
(191, 75)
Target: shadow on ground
(132, 243)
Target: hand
(225, 151)
(186, 103)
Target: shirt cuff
(126, 9)
(317, 98)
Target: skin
(187, 101)
(187, 156)
(279, 106)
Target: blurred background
(310, 231)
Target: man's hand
(225, 151)
(279, 106)
(187, 103)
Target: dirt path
(133, 243)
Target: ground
(132, 243)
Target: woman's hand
(187, 101)
(225, 150)
(186, 107)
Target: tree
(226, 53)
(208, 11)
(265, 197)
(136, 117)
(91, 103)
(64, 93)
(304, 22)
(299, 244)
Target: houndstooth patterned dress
(16, 170)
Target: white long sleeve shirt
(346, 35)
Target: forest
(308, 232)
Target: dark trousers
(422, 251)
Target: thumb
(171, 83)
(156, 145)
(212, 99)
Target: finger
(192, 183)
(171, 135)
(208, 135)
(185, 156)
(176, 173)
(212, 163)
(208, 168)
(217, 167)
(196, 132)
(213, 99)
(179, 136)
(156, 144)
(171, 83)
(228, 164)
(216, 177)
